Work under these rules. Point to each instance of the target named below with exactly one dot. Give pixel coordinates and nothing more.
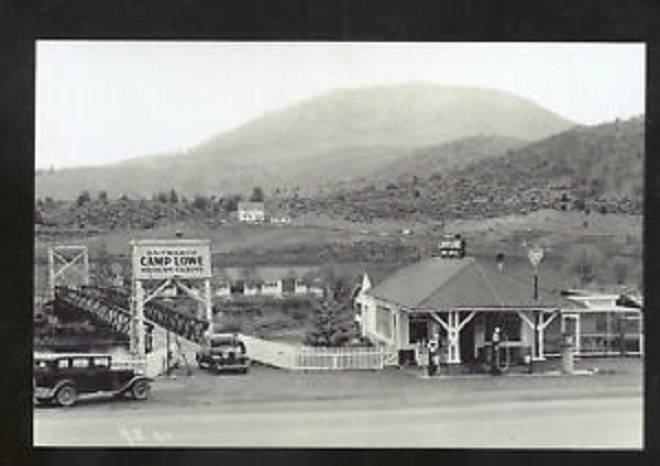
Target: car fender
(130, 383)
(62, 383)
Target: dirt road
(389, 408)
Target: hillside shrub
(299, 314)
(257, 194)
(38, 217)
(161, 197)
(83, 198)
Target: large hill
(584, 168)
(342, 134)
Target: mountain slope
(601, 166)
(335, 136)
(449, 156)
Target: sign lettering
(159, 260)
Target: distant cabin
(253, 212)
(273, 282)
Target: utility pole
(535, 256)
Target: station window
(383, 321)
(417, 330)
(509, 324)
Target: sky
(100, 102)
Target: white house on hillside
(251, 212)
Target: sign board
(535, 255)
(163, 259)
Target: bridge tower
(68, 264)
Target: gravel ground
(266, 387)
(389, 408)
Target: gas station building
(460, 302)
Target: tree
(332, 324)
(200, 202)
(230, 203)
(332, 318)
(83, 198)
(161, 197)
(174, 197)
(103, 196)
(588, 262)
(257, 194)
(38, 217)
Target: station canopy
(439, 284)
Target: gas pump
(567, 354)
(495, 353)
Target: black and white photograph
(339, 244)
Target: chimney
(452, 246)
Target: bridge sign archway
(163, 263)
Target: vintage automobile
(61, 377)
(223, 353)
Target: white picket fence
(270, 352)
(309, 358)
(294, 357)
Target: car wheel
(140, 390)
(66, 395)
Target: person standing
(433, 356)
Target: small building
(222, 290)
(272, 288)
(251, 212)
(308, 287)
(268, 281)
(607, 324)
(282, 220)
(460, 302)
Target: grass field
(612, 244)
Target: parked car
(60, 378)
(223, 353)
